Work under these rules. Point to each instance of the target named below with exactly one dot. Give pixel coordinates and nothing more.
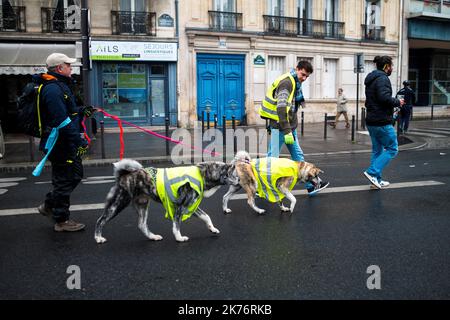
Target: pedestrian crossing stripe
(365, 187)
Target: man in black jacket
(410, 99)
(57, 104)
(380, 108)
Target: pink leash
(119, 122)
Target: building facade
(426, 50)
(157, 59)
(133, 53)
(234, 49)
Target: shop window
(124, 88)
(157, 70)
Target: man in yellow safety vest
(280, 106)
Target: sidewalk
(150, 149)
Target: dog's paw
(284, 209)
(214, 230)
(261, 211)
(99, 239)
(156, 237)
(182, 239)
(227, 211)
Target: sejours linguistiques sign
(133, 51)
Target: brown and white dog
(138, 186)
(307, 172)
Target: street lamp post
(85, 58)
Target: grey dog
(138, 185)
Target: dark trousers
(65, 177)
(405, 115)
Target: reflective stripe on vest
(269, 104)
(168, 181)
(268, 170)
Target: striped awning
(27, 58)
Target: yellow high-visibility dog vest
(168, 181)
(269, 105)
(268, 170)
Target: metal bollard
(31, 140)
(233, 125)
(224, 137)
(215, 121)
(207, 120)
(102, 136)
(302, 125)
(203, 123)
(398, 125)
(363, 118)
(353, 128)
(167, 134)
(432, 111)
(325, 128)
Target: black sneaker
(319, 187)
(45, 211)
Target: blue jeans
(384, 148)
(276, 143)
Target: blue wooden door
(220, 86)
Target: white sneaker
(373, 180)
(383, 184)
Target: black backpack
(29, 110)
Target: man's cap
(55, 59)
(406, 83)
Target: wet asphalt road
(321, 251)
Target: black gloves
(88, 111)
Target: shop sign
(133, 51)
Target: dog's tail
(125, 166)
(242, 156)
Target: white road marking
(358, 188)
(14, 179)
(366, 187)
(2, 191)
(100, 178)
(43, 182)
(98, 181)
(6, 185)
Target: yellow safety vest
(268, 170)
(168, 181)
(269, 105)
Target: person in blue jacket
(57, 103)
(379, 118)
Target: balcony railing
(225, 21)
(290, 26)
(12, 18)
(132, 22)
(61, 20)
(372, 33)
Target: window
(124, 88)
(329, 78)
(225, 18)
(225, 5)
(67, 15)
(133, 16)
(332, 10)
(275, 7)
(304, 9)
(373, 13)
(275, 68)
